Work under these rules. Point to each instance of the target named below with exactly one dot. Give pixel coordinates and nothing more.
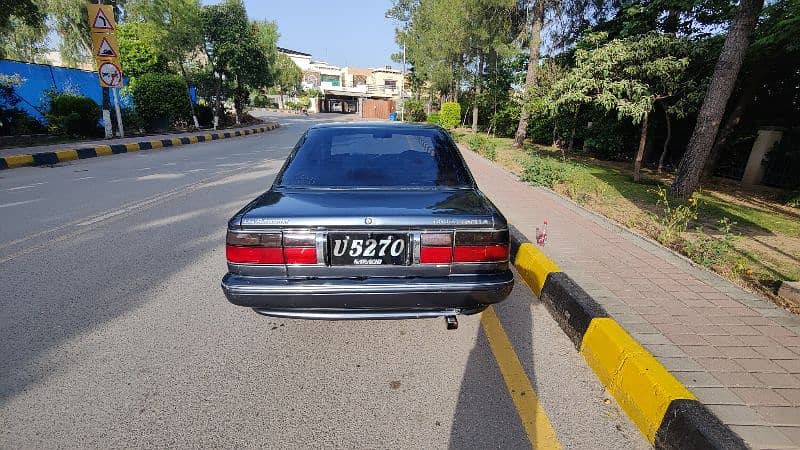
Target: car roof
(376, 126)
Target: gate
(377, 109)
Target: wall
(38, 78)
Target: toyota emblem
(368, 221)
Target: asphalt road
(114, 331)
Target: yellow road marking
(132, 147)
(156, 144)
(13, 161)
(193, 139)
(176, 141)
(533, 266)
(641, 385)
(537, 426)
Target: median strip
(69, 154)
(663, 409)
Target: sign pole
(120, 130)
(107, 125)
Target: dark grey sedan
(369, 221)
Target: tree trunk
(753, 84)
(719, 91)
(218, 103)
(478, 83)
(572, 133)
(533, 65)
(637, 163)
(666, 140)
(191, 103)
(280, 98)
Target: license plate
(368, 249)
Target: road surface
(114, 331)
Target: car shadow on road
(56, 294)
(485, 413)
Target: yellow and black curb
(69, 154)
(664, 410)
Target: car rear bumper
(371, 298)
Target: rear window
(374, 158)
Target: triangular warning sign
(105, 49)
(101, 21)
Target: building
(345, 89)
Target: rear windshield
(375, 158)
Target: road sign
(101, 17)
(105, 45)
(110, 73)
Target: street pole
(402, 85)
(109, 132)
(120, 130)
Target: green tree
(288, 76)
(181, 35)
(22, 29)
(238, 49)
(139, 48)
(627, 76)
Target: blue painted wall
(38, 78)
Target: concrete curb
(663, 409)
(69, 154)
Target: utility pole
(403, 85)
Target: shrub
(205, 115)
(433, 118)
(450, 115)
(675, 219)
(414, 111)
(73, 115)
(793, 199)
(505, 121)
(483, 145)
(161, 99)
(16, 121)
(710, 251)
(262, 101)
(548, 172)
(132, 121)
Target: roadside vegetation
(750, 238)
(229, 60)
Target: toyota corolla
(369, 221)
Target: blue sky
(341, 32)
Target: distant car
(369, 221)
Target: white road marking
(28, 186)
(84, 178)
(6, 205)
(160, 176)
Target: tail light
(480, 246)
(436, 248)
(467, 247)
(300, 248)
(270, 248)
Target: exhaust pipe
(452, 322)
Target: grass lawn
(756, 245)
